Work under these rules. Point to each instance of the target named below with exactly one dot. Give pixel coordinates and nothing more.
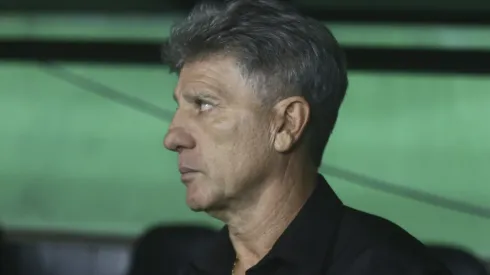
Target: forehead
(220, 75)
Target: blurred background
(85, 103)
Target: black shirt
(327, 237)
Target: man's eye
(203, 105)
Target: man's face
(221, 133)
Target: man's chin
(196, 206)
(208, 208)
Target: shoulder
(367, 230)
(389, 260)
(368, 244)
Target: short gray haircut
(280, 51)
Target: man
(258, 95)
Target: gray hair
(279, 51)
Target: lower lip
(187, 177)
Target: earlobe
(283, 141)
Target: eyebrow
(197, 93)
(205, 95)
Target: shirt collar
(305, 244)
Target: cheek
(238, 129)
(232, 140)
(241, 142)
(235, 152)
(226, 123)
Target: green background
(71, 159)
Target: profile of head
(259, 91)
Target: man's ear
(291, 115)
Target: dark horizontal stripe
(403, 14)
(81, 51)
(59, 236)
(419, 60)
(400, 16)
(359, 58)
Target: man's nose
(178, 138)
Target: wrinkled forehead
(211, 74)
(218, 75)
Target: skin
(241, 162)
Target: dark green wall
(74, 160)
(70, 159)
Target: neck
(256, 225)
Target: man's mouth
(187, 173)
